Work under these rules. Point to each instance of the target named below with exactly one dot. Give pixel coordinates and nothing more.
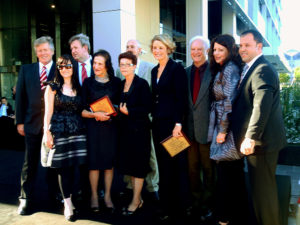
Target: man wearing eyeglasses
(80, 49)
(143, 70)
(30, 114)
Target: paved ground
(10, 167)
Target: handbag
(225, 151)
(46, 154)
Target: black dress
(101, 135)
(67, 129)
(134, 151)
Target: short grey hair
(83, 39)
(204, 40)
(137, 42)
(42, 40)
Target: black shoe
(23, 208)
(71, 218)
(134, 212)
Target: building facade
(109, 24)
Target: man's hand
(20, 128)
(247, 146)
(221, 138)
(177, 131)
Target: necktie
(197, 84)
(83, 73)
(243, 73)
(43, 77)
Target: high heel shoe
(68, 211)
(131, 213)
(95, 205)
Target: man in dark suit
(257, 125)
(30, 113)
(197, 121)
(80, 49)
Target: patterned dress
(67, 130)
(224, 91)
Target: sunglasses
(68, 66)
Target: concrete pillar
(147, 25)
(196, 22)
(229, 21)
(113, 24)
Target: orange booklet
(103, 105)
(175, 145)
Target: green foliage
(290, 100)
(297, 74)
(284, 77)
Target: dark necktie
(197, 84)
(246, 67)
(83, 72)
(43, 77)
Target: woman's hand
(101, 116)
(123, 108)
(177, 131)
(49, 139)
(221, 138)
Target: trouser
(201, 175)
(174, 190)
(30, 167)
(232, 199)
(261, 169)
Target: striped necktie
(83, 73)
(43, 78)
(246, 67)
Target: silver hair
(204, 40)
(137, 42)
(42, 40)
(83, 39)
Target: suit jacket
(143, 72)
(256, 112)
(29, 98)
(169, 95)
(197, 118)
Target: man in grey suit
(143, 70)
(197, 121)
(257, 125)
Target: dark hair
(59, 80)
(128, 55)
(256, 35)
(228, 42)
(3, 98)
(108, 63)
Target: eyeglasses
(68, 66)
(126, 65)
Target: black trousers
(232, 199)
(30, 167)
(174, 191)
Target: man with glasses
(30, 113)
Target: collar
(202, 67)
(87, 62)
(48, 66)
(253, 61)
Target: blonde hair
(166, 40)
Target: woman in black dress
(169, 102)
(101, 127)
(134, 155)
(63, 128)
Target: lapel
(141, 71)
(36, 75)
(204, 85)
(132, 85)
(188, 72)
(248, 74)
(165, 73)
(51, 72)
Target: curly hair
(228, 42)
(128, 55)
(108, 63)
(59, 80)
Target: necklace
(102, 79)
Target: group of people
(226, 102)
